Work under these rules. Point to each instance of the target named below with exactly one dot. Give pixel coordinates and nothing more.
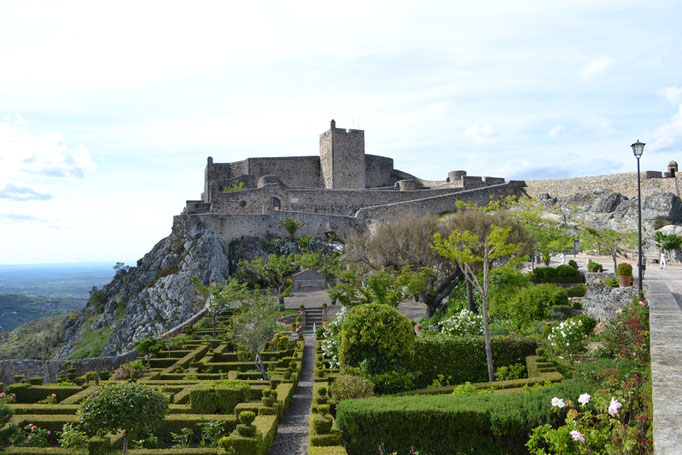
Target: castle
(341, 191)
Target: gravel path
(292, 433)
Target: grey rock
(149, 299)
(602, 302)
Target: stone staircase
(312, 316)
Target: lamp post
(637, 150)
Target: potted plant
(324, 308)
(301, 308)
(624, 275)
(593, 267)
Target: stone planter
(624, 281)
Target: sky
(108, 110)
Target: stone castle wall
(625, 184)
(342, 158)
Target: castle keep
(342, 191)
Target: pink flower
(29, 437)
(584, 398)
(577, 436)
(614, 406)
(2, 394)
(641, 302)
(49, 432)
(34, 427)
(54, 395)
(558, 402)
(14, 395)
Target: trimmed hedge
(44, 409)
(559, 279)
(446, 424)
(176, 422)
(44, 450)
(332, 450)
(463, 358)
(27, 393)
(188, 451)
(218, 396)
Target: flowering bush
(30, 436)
(332, 338)
(627, 337)
(612, 421)
(72, 437)
(130, 371)
(5, 398)
(463, 324)
(568, 338)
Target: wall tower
(342, 158)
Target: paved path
(292, 433)
(664, 291)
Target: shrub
(568, 338)
(544, 272)
(531, 304)
(30, 436)
(588, 323)
(218, 396)
(377, 338)
(463, 358)
(613, 282)
(462, 324)
(130, 371)
(332, 338)
(578, 290)
(624, 269)
(126, 407)
(72, 437)
(348, 386)
(566, 270)
(446, 424)
(591, 265)
(573, 264)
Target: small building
(308, 280)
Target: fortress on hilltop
(341, 191)
(344, 191)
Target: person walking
(664, 259)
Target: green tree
(274, 270)
(148, 346)
(379, 340)
(406, 242)
(667, 242)
(128, 407)
(610, 242)
(291, 225)
(468, 250)
(254, 324)
(220, 296)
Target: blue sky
(108, 110)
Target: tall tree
(468, 250)
(274, 270)
(610, 242)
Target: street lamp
(637, 150)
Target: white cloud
(556, 131)
(483, 134)
(18, 218)
(595, 68)
(669, 135)
(25, 154)
(598, 124)
(673, 94)
(21, 192)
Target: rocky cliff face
(149, 299)
(606, 209)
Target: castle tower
(342, 158)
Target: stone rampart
(440, 203)
(625, 184)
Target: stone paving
(292, 433)
(664, 292)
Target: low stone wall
(602, 302)
(49, 369)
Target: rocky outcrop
(605, 209)
(602, 302)
(154, 296)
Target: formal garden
(504, 362)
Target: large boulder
(602, 302)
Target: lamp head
(638, 148)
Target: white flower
(578, 436)
(614, 407)
(584, 398)
(558, 402)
